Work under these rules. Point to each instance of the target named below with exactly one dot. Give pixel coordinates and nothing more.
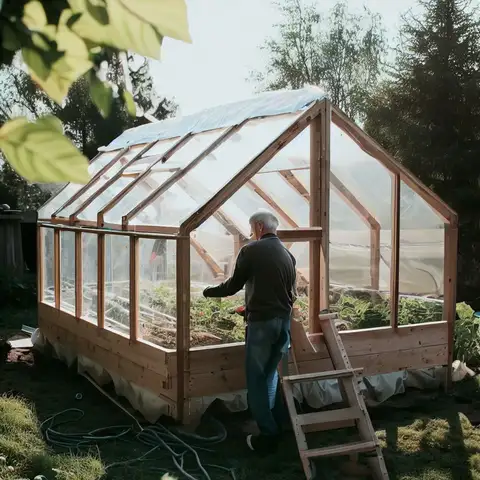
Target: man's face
(257, 230)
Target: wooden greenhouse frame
(180, 374)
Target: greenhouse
(124, 259)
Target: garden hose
(157, 437)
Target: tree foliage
(65, 41)
(342, 53)
(428, 115)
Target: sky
(226, 36)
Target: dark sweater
(267, 270)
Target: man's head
(263, 222)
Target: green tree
(341, 53)
(62, 41)
(428, 115)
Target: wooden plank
(300, 234)
(449, 291)
(183, 326)
(315, 290)
(395, 258)
(56, 268)
(78, 274)
(291, 179)
(160, 159)
(145, 354)
(309, 377)
(181, 173)
(108, 183)
(367, 144)
(152, 229)
(93, 180)
(272, 203)
(40, 263)
(339, 450)
(101, 280)
(375, 257)
(134, 288)
(340, 415)
(214, 203)
(111, 362)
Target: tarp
(262, 105)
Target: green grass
(426, 435)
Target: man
(267, 270)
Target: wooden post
(395, 259)
(56, 267)
(375, 256)
(450, 290)
(183, 326)
(101, 280)
(40, 264)
(134, 287)
(319, 215)
(78, 275)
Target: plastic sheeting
(262, 105)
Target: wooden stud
(272, 203)
(134, 288)
(40, 263)
(367, 144)
(449, 291)
(395, 259)
(161, 159)
(78, 274)
(299, 234)
(93, 180)
(56, 267)
(292, 180)
(101, 280)
(247, 172)
(181, 173)
(183, 326)
(108, 183)
(375, 256)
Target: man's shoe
(262, 444)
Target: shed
(123, 260)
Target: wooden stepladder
(355, 410)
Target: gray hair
(269, 220)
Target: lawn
(426, 435)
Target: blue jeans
(266, 342)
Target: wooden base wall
(220, 369)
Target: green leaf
(40, 152)
(36, 63)
(9, 39)
(169, 17)
(101, 94)
(129, 103)
(34, 16)
(98, 10)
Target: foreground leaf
(101, 94)
(40, 152)
(34, 16)
(129, 103)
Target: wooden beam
(375, 256)
(449, 291)
(295, 183)
(214, 203)
(101, 280)
(40, 263)
(140, 234)
(134, 288)
(214, 267)
(180, 173)
(272, 203)
(78, 274)
(183, 326)
(308, 234)
(93, 180)
(108, 183)
(367, 144)
(56, 268)
(395, 259)
(160, 159)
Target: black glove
(205, 292)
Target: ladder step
(328, 316)
(338, 450)
(340, 415)
(311, 377)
